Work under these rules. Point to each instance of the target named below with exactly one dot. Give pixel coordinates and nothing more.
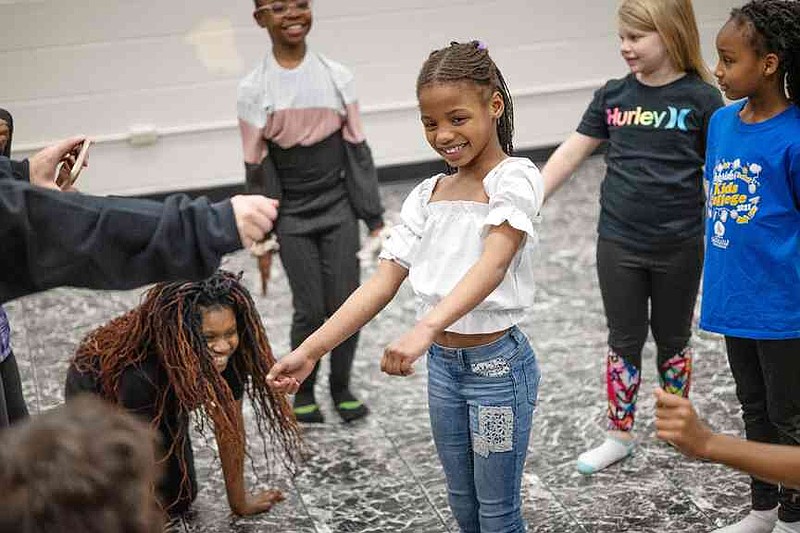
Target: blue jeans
(481, 402)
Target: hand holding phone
(66, 180)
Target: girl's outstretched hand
(289, 372)
(677, 423)
(399, 357)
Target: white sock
(786, 527)
(608, 453)
(755, 522)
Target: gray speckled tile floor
(382, 474)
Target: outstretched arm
(52, 239)
(231, 454)
(566, 160)
(500, 246)
(366, 302)
(677, 422)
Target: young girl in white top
(466, 242)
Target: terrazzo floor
(382, 474)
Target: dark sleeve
(362, 184)
(263, 179)
(50, 239)
(20, 170)
(17, 170)
(593, 122)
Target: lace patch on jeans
(495, 368)
(495, 430)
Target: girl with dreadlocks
(191, 347)
(751, 286)
(466, 243)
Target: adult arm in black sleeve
(50, 239)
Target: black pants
(767, 374)
(323, 271)
(667, 280)
(12, 403)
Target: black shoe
(307, 413)
(348, 406)
(352, 410)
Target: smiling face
(644, 52)
(460, 121)
(741, 72)
(287, 22)
(219, 329)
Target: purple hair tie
(481, 45)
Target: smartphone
(78, 166)
(66, 181)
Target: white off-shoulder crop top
(438, 242)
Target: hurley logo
(668, 120)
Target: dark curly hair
(471, 62)
(773, 26)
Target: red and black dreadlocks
(168, 323)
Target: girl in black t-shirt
(650, 245)
(191, 347)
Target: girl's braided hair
(471, 62)
(168, 325)
(773, 26)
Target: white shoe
(603, 456)
(754, 522)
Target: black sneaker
(308, 413)
(351, 410)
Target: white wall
(106, 68)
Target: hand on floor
(259, 503)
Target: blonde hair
(675, 22)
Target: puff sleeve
(403, 241)
(516, 193)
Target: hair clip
(480, 45)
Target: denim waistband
(507, 341)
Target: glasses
(281, 8)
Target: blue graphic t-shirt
(751, 285)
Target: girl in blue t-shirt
(751, 287)
(650, 242)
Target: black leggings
(767, 374)
(666, 279)
(12, 403)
